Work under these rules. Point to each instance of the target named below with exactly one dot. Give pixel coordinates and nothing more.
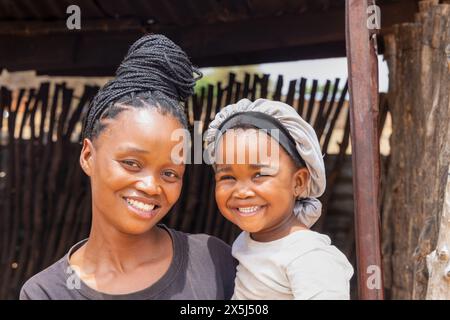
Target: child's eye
(170, 175)
(259, 174)
(225, 177)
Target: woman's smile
(143, 207)
(134, 180)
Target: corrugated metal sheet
(167, 12)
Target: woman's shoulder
(208, 262)
(202, 242)
(58, 281)
(204, 248)
(42, 285)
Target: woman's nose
(149, 185)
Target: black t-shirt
(202, 268)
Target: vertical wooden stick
(363, 89)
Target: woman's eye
(131, 164)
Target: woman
(127, 154)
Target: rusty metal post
(363, 90)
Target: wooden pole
(363, 89)
(438, 261)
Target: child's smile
(249, 211)
(246, 208)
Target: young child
(269, 170)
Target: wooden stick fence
(45, 203)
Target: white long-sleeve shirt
(303, 265)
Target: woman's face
(258, 196)
(133, 178)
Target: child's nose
(243, 191)
(149, 185)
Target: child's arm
(320, 275)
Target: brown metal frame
(363, 90)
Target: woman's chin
(135, 229)
(136, 225)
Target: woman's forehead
(139, 127)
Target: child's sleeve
(319, 275)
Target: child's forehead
(254, 140)
(250, 147)
(247, 134)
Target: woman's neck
(109, 250)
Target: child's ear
(86, 156)
(301, 180)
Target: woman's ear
(86, 155)
(301, 180)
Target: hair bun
(155, 63)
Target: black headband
(263, 121)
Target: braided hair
(154, 73)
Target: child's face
(134, 180)
(258, 197)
